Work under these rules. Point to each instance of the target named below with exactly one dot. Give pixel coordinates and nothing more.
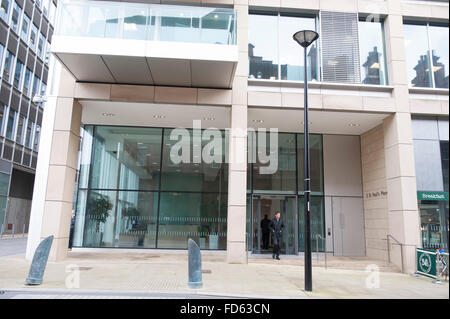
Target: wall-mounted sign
(376, 194)
(432, 196)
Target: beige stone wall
(375, 202)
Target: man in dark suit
(276, 227)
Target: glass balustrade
(100, 19)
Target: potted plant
(99, 208)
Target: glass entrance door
(264, 209)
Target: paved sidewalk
(12, 246)
(161, 272)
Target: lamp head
(306, 37)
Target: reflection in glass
(126, 158)
(196, 174)
(445, 163)
(262, 48)
(316, 162)
(317, 223)
(440, 43)
(434, 224)
(371, 48)
(202, 217)
(291, 54)
(283, 180)
(417, 55)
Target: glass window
(439, 44)
(316, 162)
(291, 54)
(426, 50)
(45, 6)
(194, 174)
(43, 89)
(126, 158)
(200, 216)
(317, 222)
(434, 224)
(26, 82)
(372, 53)
(20, 129)
(4, 10)
(35, 85)
(11, 125)
(33, 36)
(283, 179)
(15, 19)
(2, 118)
(18, 74)
(9, 59)
(37, 136)
(262, 46)
(41, 43)
(25, 28)
(29, 137)
(52, 12)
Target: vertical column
(403, 213)
(56, 167)
(237, 171)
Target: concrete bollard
(194, 265)
(39, 262)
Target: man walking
(276, 227)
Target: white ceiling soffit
(147, 62)
(323, 122)
(153, 115)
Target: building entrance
(264, 209)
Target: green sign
(432, 196)
(426, 262)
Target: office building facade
(26, 29)
(158, 127)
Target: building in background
(26, 29)
(130, 73)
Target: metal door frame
(258, 212)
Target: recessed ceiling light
(209, 119)
(354, 125)
(156, 116)
(258, 121)
(108, 114)
(148, 154)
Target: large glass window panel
(262, 46)
(135, 23)
(439, 44)
(100, 219)
(417, 55)
(434, 224)
(25, 28)
(33, 36)
(292, 55)
(283, 179)
(9, 59)
(372, 53)
(29, 137)
(85, 156)
(15, 18)
(195, 172)
(317, 223)
(2, 48)
(316, 162)
(4, 10)
(37, 137)
(26, 82)
(20, 129)
(202, 217)
(126, 158)
(11, 125)
(18, 74)
(41, 43)
(35, 85)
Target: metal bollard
(13, 230)
(194, 265)
(23, 231)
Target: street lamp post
(305, 38)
